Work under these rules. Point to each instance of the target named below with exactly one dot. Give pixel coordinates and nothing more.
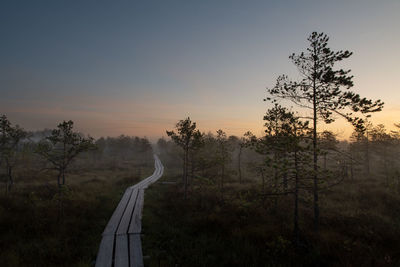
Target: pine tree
(62, 147)
(10, 139)
(186, 137)
(323, 91)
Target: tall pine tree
(324, 91)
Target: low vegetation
(295, 196)
(360, 225)
(36, 232)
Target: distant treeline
(61, 149)
(374, 151)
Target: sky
(137, 67)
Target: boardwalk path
(121, 244)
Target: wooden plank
(156, 175)
(105, 254)
(136, 223)
(126, 217)
(116, 217)
(121, 258)
(143, 182)
(135, 251)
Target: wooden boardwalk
(121, 244)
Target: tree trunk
(59, 178)
(222, 176)
(285, 182)
(192, 168)
(315, 155)
(351, 168)
(296, 203)
(60, 204)
(184, 166)
(263, 181)
(63, 177)
(186, 171)
(276, 181)
(385, 165)
(10, 179)
(239, 165)
(367, 154)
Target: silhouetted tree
(296, 133)
(162, 144)
(358, 151)
(383, 144)
(185, 138)
(198, 143)
(223, 156)
(276, 124)
(286, 147)
(206, 159)
(62, 146)
(244, 142)
(10, 138)
(360, 146)
(320, 91)
(327, 143)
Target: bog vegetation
(60, 189)
(296, 196)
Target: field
(35, 233)
(238, 209)
(360, 226)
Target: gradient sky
(137, 67)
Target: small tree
(197, 144)
(383, 144)
(298, 149)
(286, 149)
(10, 138)
(321, 91)
(62, 146)
(361, 139)
(185, 138)
(358, 152)
(277, 124)
(223, 156)
(244, 141)
(327, 142)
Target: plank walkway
(121, 244)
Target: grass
(205, 231)
(360, 226)
(360, 222)
(33, 233)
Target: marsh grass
(360, 226)
(32, 231)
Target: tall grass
(360, 226)
(34, 234)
